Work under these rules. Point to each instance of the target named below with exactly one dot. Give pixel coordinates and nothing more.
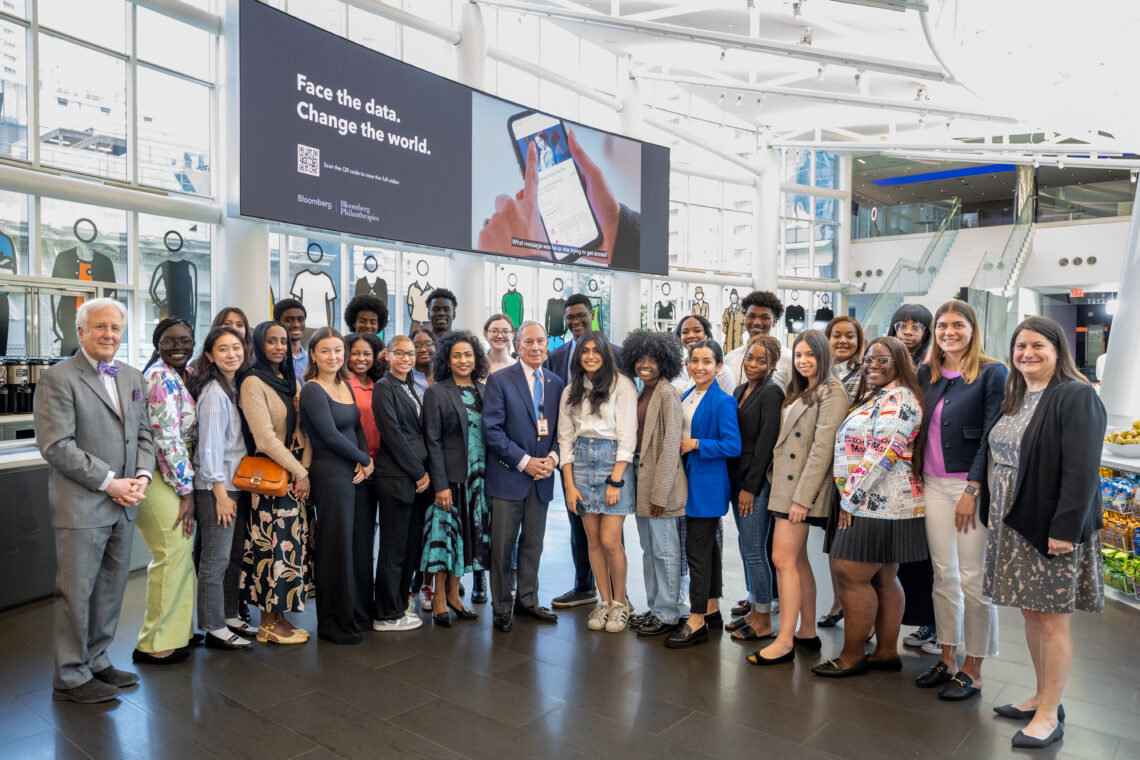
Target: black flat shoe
(656, 627)
(463, 613)
(442, 619)
(1009, 711)
(742, 608)
(834, 669)
(960, 687)
(936, 675)
(714, 620)
(1021, 741)
(891, 664)
(462, 590)
(813, 644)
(829, 621)
(758, 659)
(503, 623)
(685, 637)
(182, 654)
(537, 612)
(234, 643)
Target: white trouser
(961, 612)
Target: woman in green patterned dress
(457, 527)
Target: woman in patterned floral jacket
(881, 523)
(166, 515)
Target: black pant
(580, 551)
(401, 541)
(342, 560)
(237, 551)
(704, 561)
(917, 579)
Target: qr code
(308, 160)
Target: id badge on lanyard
(543, 426)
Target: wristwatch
(972, 490)
(615, 483)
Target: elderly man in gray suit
(93, 430)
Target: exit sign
(1076, 293)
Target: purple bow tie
(107, 369)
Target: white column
(625, 300)
(766, 221)
(242, 261)
(843, 238)
(1119, 389)
(468, 270)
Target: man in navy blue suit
(579, 316)
(520, 426)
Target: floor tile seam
(49, 730)
(526, 727)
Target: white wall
(882, 253)
(1105, 240)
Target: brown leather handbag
(261, 475)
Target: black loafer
(503, 623)
(813, 644)
(960, 687)
(541, 614)
(442, 619)
(182, 654)
(829, 621)
(756, 658)
(637, 621)
(936, 675)
(742, 608)
(714, 620)
(1021, 741)
(685, 637)
(463, 613)
(834, 669)
(657, 628)
(890, 664)
(1009, 711)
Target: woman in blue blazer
(710, 436)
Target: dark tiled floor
(551, 691)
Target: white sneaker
(406, 623)
(411, 610)
(617, 618)
(428, 595)
(597, 621)
(932, 647)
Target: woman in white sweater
(597, 438)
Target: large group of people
(913, 450)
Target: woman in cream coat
(815, 407)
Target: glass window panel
(327, 14)
(83, 114)
(739, 197)
(517, 86)
(796, 247)
(558, 100)
(14, 7)
(797, 206)
(599, 288)
(173, 133)
(738, 242)
(678, 186)
(598, 68)
(78, 242)
(374, 274)
(427, 52)
(175, 259)
(704, 191)
(514, 292)
(677, 226)
(174, 45)
(102, 22)
(823, 264)
(559, 49)
(827, 209)
(797, 167)
(13, 261)
(704, 238)
(432, 10)
(422, 273)
(315, 281)
(276, 241)
(372, 31)
(826, 166)
(13, 92)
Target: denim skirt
(594, 462)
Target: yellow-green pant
(168, 623)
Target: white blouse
(616, 419)
(689, 406)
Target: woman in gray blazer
(801, 489)
(661, 486)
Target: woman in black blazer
(457, 528)
(1043, 548)
(400, 479)
(758, 409)
(964, 389)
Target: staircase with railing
(1000, 273)
(913, 278)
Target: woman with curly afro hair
(659, 476)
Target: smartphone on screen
(567, 217)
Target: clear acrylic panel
(422, 273)
(314, 280)
(514, 292)
(175, 260)
(173, 133)
(102, 22)
(374, 274)
(14, 86)
(174, 45)
(83, 109)
(13, 234)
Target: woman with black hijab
(277, 565)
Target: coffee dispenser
(19, 394)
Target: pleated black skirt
(878, 540)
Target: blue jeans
(752, 532)
(661, 563)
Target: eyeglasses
(398, 354)
(500, 333)
(172, 342)
(578, 317)
(908, 327)
(881, 361)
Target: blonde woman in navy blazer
(710, 436)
